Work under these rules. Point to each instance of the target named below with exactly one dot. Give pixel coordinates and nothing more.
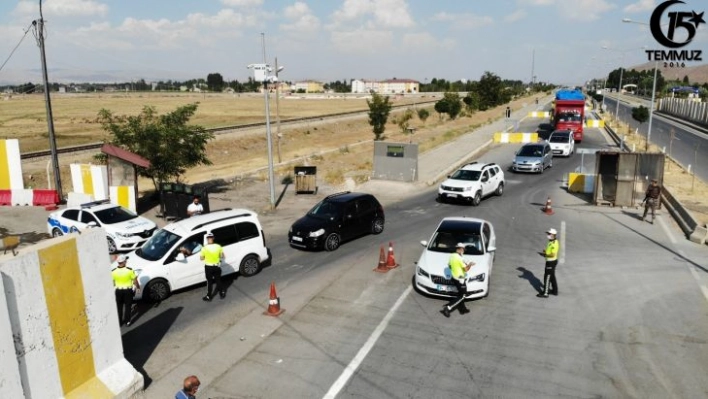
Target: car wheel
(500, 190)
(377, 226)
(332, 242)
(477, 198)
(550, 164)
(56, 232)
(250, 266)
(112, 248)
(157, 290)
(543, 167)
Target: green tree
(379, 108)
(471, 101)
(441, 107)
(491, 91)
(170, 144)
(215, 81)
(423, 114)
(640, 114)
(450, 104)
(405, 120)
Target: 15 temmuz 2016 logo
(678, 21)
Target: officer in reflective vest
(458, 269)
(550, 286)
(212, 254)
(124, 280)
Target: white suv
(125, 230)
(472, 182)
(170, 259)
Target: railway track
(215, 130)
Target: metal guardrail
(683, 217)
(217, 130)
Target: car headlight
(123, 235)
(291, 230)
(480, 277)
(317, 233)
(468, 188)
(422, 272)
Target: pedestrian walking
(195, 208)
(124, 281)
(458, 269)
(212, 254)
(189, 388)
(651, 199)
(550, 286)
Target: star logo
(697, 19)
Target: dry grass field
(75, 115)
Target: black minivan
(336, 219)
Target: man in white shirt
(195, 208)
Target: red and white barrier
(26, 197)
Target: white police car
(125, 230)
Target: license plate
(446, 288)
(452, 195)
(296, 238)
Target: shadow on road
(532, 279)
(140, 342)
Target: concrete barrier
(90, 179)
(59, 333)
(515, 137)
(539, 114)
(124, 196)
(10, 165)
(581, 183)
(595, 123)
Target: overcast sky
(104, 40)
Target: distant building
(390, 86)
(308, 86)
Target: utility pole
(533, 64)
(277, 109)
(50, 119)
(695, 166)
(651, 106)
(271, 177)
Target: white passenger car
(472, 182)
(432, 274)
(170, 260)
(562, 143)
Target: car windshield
(158, 245)
(559, 138)
(531, 151)
(113, 215)
(326, 210)
(470, 175)
(445, 241)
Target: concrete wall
(57, 302)
(395, 161)
(689, 110)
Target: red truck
(569, 112)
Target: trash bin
(306, 180)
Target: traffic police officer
(550, 286)
(212, 254)
(458, 269)
(124, 279)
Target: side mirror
(424, 243)
(180, 257)
(491, 248)
(91, 224)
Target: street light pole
(277, 109)
(271, 176)
(651, 106)
(619, 89)
(48, 102)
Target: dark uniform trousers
(459, 300)
(213, 277)
(549, 278)
(124, 299)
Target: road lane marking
(667, 231)
(562, 248)
(361, 355)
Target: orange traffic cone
(381, 268)
(273, 303)
(391, 259)
(548, 209)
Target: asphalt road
(630, 320)
(685, 140)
